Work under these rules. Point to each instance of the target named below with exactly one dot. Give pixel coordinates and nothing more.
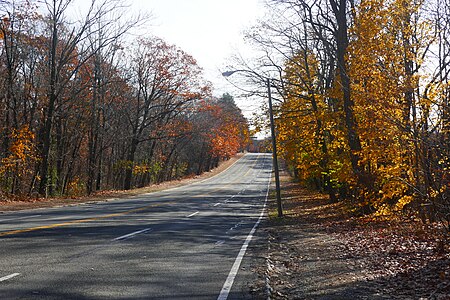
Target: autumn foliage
(228, 133)
(83, 111)
(364, 115)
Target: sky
(212, 31)
(209, 30)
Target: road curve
(182, 243)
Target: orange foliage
(22, 152)
(229, 131)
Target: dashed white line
(234, 227)
(218, 243)
(127, 236)
(193, 214)
(4, 278)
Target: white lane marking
(193, 214)
(218, 203)
(20, 218)
(126, 236)
(4, 278)
(237, 263)
(218, 243)
(234, 227)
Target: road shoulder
(104, 196)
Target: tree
(68, 88)
(70, 49)
(363, 97)
(230, 134)
(218, 131)
(165, 80)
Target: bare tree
(69, 49)
(164, 81)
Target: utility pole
(274, 152)
(273, 133)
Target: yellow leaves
(146, 168)
(312, 130)
(76, 187)
(399, 98)
(140, 169)
(22, 146)
(22, 152)
(406, 199)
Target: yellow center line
(12, 232)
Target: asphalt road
(183, 243)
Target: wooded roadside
(30, 203)
(319, 251)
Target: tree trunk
(354, 143)
(60, 160)
(46, 138)
(130, 161)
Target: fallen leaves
(405, 259)
(319, 250)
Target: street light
(272, 131)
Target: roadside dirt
(319, 251)
(13, 205)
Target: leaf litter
(318, 250)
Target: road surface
(182, 243)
